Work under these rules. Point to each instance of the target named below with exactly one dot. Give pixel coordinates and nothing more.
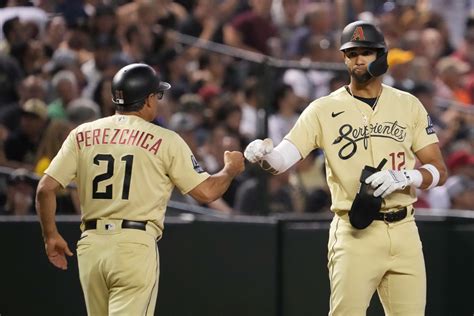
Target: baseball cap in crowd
(459, 159)
(452, 64)
(182, 122)
(397, 56)
(191, 102)
(35, 107)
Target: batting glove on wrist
(386, 181)
(257, 149)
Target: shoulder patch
(196, 165)
(430, 129)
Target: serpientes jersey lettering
(353, 135)
(125, 168)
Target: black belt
(92, 224)
(392, 216)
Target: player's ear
(149, 99)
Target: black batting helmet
(366, 34)
(362, 34)
(133, 83)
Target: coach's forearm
(46, 209)
(213, 187)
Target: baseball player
(125, 169)
(374, 242)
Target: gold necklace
(365, 119)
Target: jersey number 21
(109, 159)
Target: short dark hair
(9, 25)
(131, 107)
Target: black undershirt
(370, 101)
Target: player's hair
(131, 107)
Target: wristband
(434, 173)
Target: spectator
(19, 193)
(81, 111)
(22, 143)
(248, 124)
(103, 22)
(53, 137)
(253, 29)
(286, 104)
(446, 129)
(12, 75)
(449, 82)
(461, 162)
(461, 193)
(13, 35)
(55, 34)
(399, 64)
(32, 87)
(66, 89)
(104, 49)
(279, 196)
(309, 187)
(102, 97)
(317, 22)
(310, 84)
(203, 23)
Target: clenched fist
(234, 162)
(257, 149)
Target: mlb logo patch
(430, 129)
(196, 165)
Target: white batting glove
(257, 149)
(387, 181)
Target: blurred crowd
(57, 59)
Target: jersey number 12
(107, 194)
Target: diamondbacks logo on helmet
(358, 34)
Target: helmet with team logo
(366, 34)
(362, 34)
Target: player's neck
(368, 90)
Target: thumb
(68, 251)
(267, 145)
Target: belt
(392, 217)
(92, 224)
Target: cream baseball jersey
(125, 168)
(353, 135)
